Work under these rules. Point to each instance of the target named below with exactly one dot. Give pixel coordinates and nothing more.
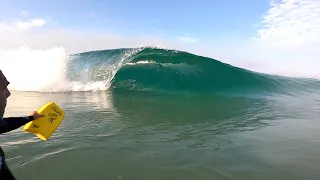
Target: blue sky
(277, 36)
(201, 19)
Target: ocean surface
(149, 113)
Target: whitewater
(41, 70)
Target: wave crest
(137, 69)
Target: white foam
(142, 62)
(41, 70)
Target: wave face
(137, 69)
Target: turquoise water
(171, 115)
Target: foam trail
(41, 70)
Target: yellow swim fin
(45, 126)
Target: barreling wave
(155, 70)
(144, 69)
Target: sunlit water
(138, 136)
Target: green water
(107, 135)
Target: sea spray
(46, 70)
(34, 69)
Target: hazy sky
(279, 36)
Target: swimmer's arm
(12, 123)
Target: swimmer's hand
(36, 115)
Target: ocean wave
(137, 69)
